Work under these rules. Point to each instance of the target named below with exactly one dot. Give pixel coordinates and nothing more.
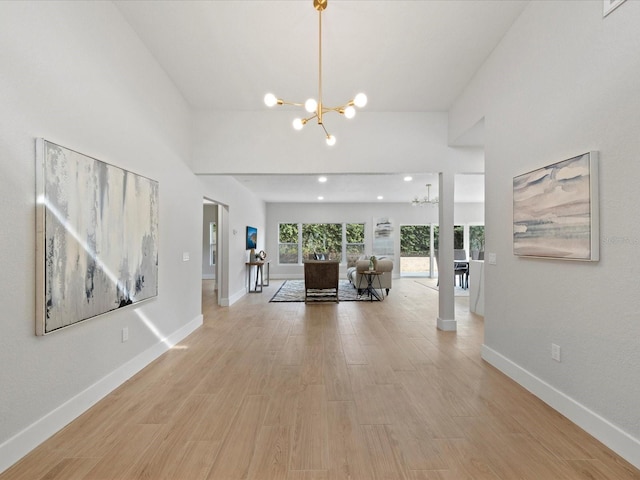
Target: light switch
(492, 259)
(185, 256)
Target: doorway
(415, 250)
(209, 249)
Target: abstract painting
(97, 237)
(383, 237)
(555, 210)
(610, 6)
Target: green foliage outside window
(476, 237)
(323, 238)
(354, 243)
(355, 232)
(458, 236)
(414, 240)
(288, 243)
(288, 233)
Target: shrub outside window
(288, 243)
(354, 244)
(322, 239)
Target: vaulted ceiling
(407, 56)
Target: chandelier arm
(359, 101)
(333, 109)
(284, 102)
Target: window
(354, 242)
(414, 240)
(415, 249)
(288, 243)
(323, 239)
(458, 237)
(476, 238)
(300, 241)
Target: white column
(446, 312)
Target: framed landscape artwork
(555, 210)
(252, 238)
(97, 237)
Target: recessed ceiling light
(322, 179)
(321, 198)
(380, 197)
(408, 178)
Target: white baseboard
(612, 436)
(208, 276)
(447, 325)
(237, 296)
(23, 442)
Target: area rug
(293, 291)
(432, 284)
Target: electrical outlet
(555, 352)
(185, 256)
(125, 334)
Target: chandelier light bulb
(317, 108)
(360, 100)
(349, 112)
(270, 100)
(311, 105)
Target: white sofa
(385, 266)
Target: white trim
(23, 442)
(447, 325)
(237, 296)
(612, 436)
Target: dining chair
(461, 267)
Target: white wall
(380, 142)
(562, 82)
(244, 209)
(74, 73)
(399, 214)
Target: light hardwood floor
(352, 390)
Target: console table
(260, 278)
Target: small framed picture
(610, 6)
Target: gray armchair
(321, 280)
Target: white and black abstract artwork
(97, 229)
(555, 210)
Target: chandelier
(317, 108)
(419, 202)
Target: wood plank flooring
(355, 390)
